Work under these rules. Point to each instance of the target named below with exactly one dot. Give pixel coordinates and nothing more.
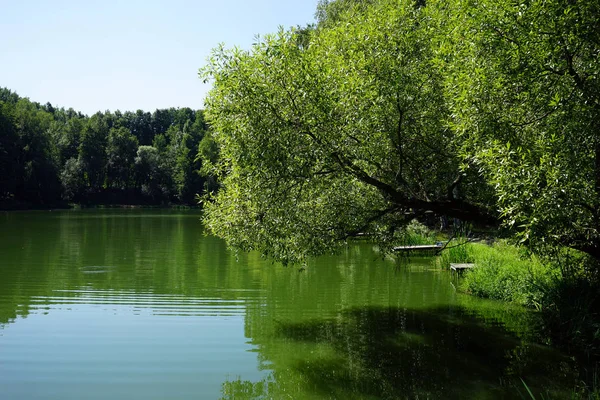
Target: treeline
(51, 156)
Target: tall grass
(504, 273)
(416, 234)
(456, 251)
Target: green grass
(456, 251)
(417, 234)
(502, 272)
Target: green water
(138, 304)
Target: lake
(141, 304)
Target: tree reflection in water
(376, 352)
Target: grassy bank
(502, 272)
(564, 291)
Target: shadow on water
(438, 353)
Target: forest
(50, 156)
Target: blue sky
(107, 55)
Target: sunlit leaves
(329, 138)
(525, 98)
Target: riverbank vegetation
(50, 156)
(384, 112)
(559, 289)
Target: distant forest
(52, 156)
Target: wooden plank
(461, 267)
(419, 247)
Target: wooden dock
(459, 268)
(419, 247)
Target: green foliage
(563, 291)
(92, 150)
(72, 179)
(120, 151)
(67, 138)
(8, 96)
(342, 136)
(456, 251)
(153, 175)
(389, 108)
(8, 151)
(188, 179)
(35, 162)
(523, 87)
(570, 310)
(49, 154)
(207, 156)
(331, 12)
(416, 233)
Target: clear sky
(127, 54)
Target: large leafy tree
(343, 134)
(525, 92)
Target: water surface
(140, 304)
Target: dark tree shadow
(444, 353)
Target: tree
(182, 115)
(9, 152)
(189, 181)
(36, 165)
(140, 125)
(161, 120)
(92, 150)
(208, 155)
(346, 135)
(48, 153)
(120, 154)
(331, 12)
(152, 174)
(67, 139)
(8, 96)
(525, 93)
(72, 179)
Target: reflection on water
(141, 304)
(377, 352)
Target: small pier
(420, 247)
(460, 268)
